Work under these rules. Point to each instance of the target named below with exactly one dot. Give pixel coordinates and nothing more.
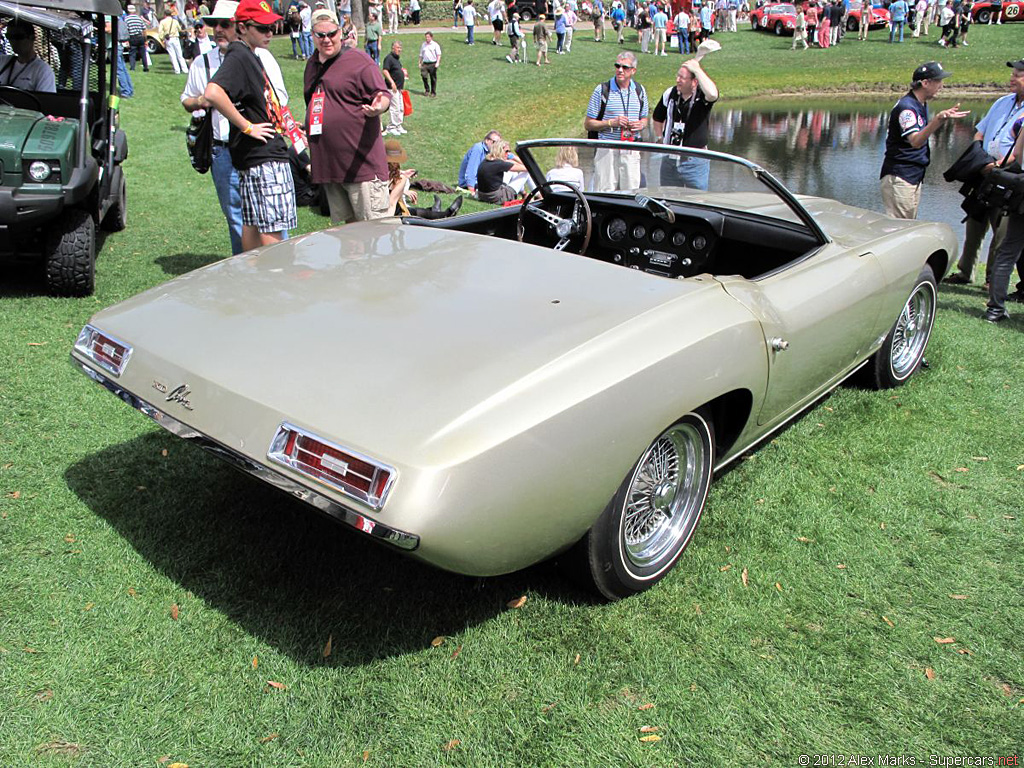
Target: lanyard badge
(316, 112)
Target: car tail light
(340, 468)
(103, 349)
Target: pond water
(834, 149)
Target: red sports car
(1012, 11)
(879, 16)
(778, 17)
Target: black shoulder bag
(199, 135)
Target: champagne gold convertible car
(491, 390)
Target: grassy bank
(155, 606)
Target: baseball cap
(323, 14)
(224, 9)
(1018, 64)
(130, 8)
(930, 71)
(256, 10)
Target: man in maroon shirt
(344, 101)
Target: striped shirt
(135, 24)
(632, 103)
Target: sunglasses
(328, 35)
(623, 66)
(223, 24)
(263, 29)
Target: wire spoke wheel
(910, 335)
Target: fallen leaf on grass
(61, 747)
(577, 659)
(456, 652)
(1007, 690)
(648, 729)
(929, 673)
(887, 621)
(939, 479)
(70, 538)
(652, 737)
(270, 737)
(1020, 467)
(37, 343)
(366, 755)
(163, 760)
(693, 686)
(841, 566)
(944, 640)
(804, 540)
(980, 458)
(1009, 517)
(44, 695)
(174, 611)
(26, 649)
(437, 641)
(519, 602)
(549, 707)
(132, 592)
(697, 609)
(725, 567)
(8, 465)
(163, 452)
(89, 606)
(648, 705)
(448, 747)
(327, 647)
(958, 597)
(965, 651)
(14, 495)
(778, 586)
(255, 662)
(178, 765)
(277, 685)
(743, 578)
(882, 526)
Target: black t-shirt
(689, 126)
(393, 66)
(241, 76)
(489, 176)
(901, 159)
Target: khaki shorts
(360, 201)
(542, 48)
(900, 198)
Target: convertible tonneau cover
(105, 7)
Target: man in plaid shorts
(241, 92)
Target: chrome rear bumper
(370, 527)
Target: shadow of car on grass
(181, 263)
(284, 573)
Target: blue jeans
(372, 50)
(296, 47)
(692, 172)
(892, 29)
(225, 180)
(469, 34)
(683, 38)
(124, 80)
(306, 43)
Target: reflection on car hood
(391, 335)
(15, 126)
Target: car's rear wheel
(652, 517)
(753, 23)
(903, 350)
(153, 46)
(71, 254)
(526, 14)
(779, 28)
(984, 16)
(852, 24)
(117, 215)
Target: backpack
(199, 134)
(606, 88)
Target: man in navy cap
(906, 142)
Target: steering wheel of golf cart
(577, 225)
(14, 97)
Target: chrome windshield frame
(774, 185)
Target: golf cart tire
(71, 255)
(117, 214)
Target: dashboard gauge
(679, 239)
(616, 230)
(639, 231)
(699, 242)
(657, 235)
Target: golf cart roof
(24, 10)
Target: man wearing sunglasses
(243, 93)
(345, 97)
(617, 111)
(225, 176)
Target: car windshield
(783, 9)
(673, 174)
(855, 5)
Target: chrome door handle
(779, 344)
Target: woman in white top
(567, 168)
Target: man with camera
(617, 111)
(681, 119)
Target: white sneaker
(401, 130)
(509, 60)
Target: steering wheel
(8, 91)
(579, 223)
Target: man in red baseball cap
(258, 151)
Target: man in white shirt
(225, 176)
(430, 62)
(24, 69)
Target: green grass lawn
(149, 593)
